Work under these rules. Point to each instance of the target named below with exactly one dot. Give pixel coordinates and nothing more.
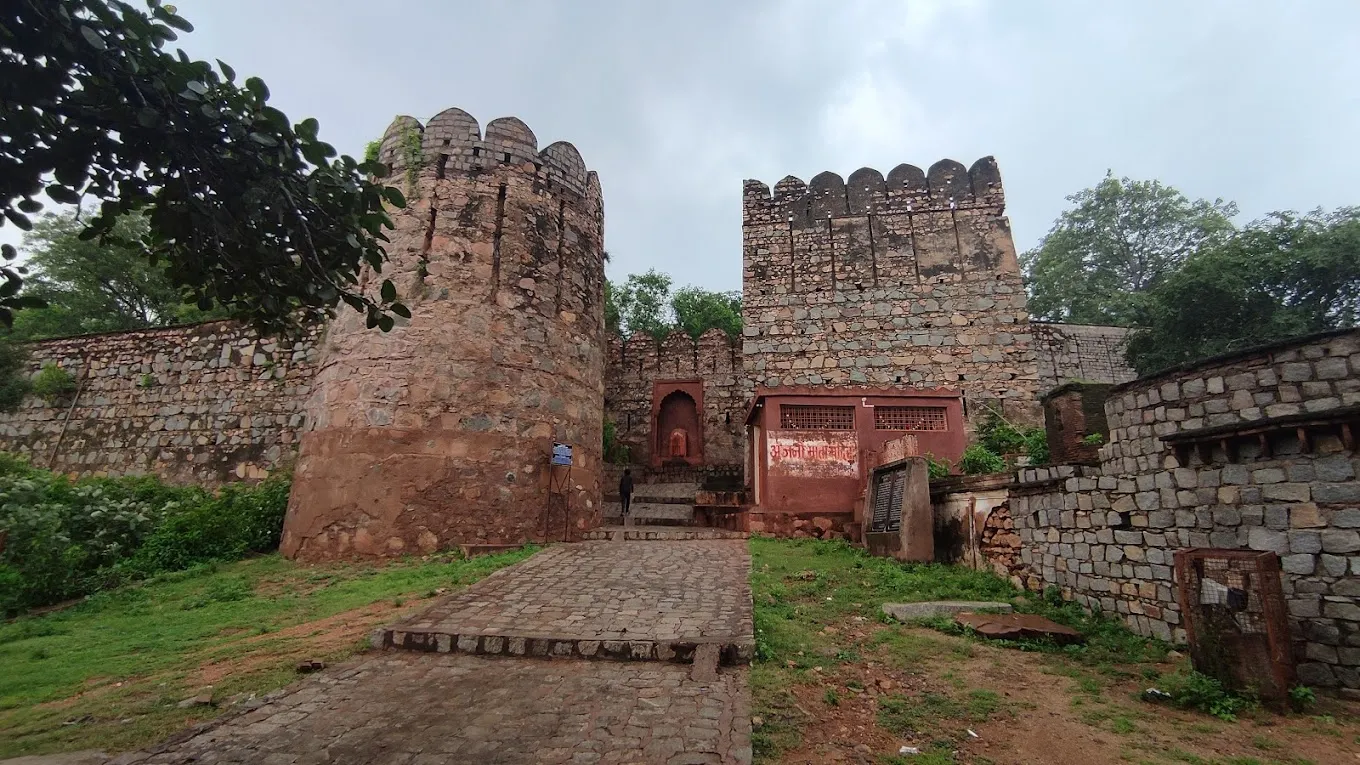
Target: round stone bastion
(440, 432)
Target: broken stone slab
(204, 699)
(1019, 626)
(905, 612)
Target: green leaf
(30, 205)
(264, 139)
(308, 128)
(8, 251)
(63, 194)
(394, 196)
(92, 37)
(401, 310)
(385, 323)
(371, 320)
(389, 291)
(227, 71)
(197, 87)
(353, 301)
(256, 85)
(148, 117)
(177, 22)
(19, 219)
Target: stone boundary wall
(634, 364)
(204, 404)
(1106, 534)
(1080, 352)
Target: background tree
(93, 287)
(1119, 239)
(245, 209)
(642, 304)
(697, 311)
(1283, 276)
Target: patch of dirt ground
(960, 700)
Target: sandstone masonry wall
(1071, 352)
(440, 432)
(635, 364)
(203, 404)
(908, 281)
(1106, 534)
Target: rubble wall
(908, 281)
(202, 404)
(1106, 534)
(440, 432)
(633, 367)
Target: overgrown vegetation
(108, 672)
(999, 443)
(615, 452)
(67, 539)
(53, 382)
(936, 468)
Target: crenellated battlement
(453, 142)
(948, 185)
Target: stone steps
(652, 513)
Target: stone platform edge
(731, 651)
(663, 534)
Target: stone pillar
(439, 432)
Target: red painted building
(807, 447)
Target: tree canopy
(1286, 275)
(1118, 240)
(93, 287)
(645, 303)
(244, 209)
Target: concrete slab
(905, 612)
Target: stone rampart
(1254, 450)
(206, 404)
(905, 281)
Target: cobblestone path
(420, 708)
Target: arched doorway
(677, 438)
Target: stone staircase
(655, 504)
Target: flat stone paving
(402, 708)
(627, 600)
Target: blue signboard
(561, 454)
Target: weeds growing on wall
(615, 452)
(936, 468)
(53, 382)
(412, 154)
(66, 539)
(979, 460)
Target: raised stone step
(654, 534)
(651, 513)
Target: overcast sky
(675, 103)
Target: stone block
(1340, 540)
(1298, 564)
(1305, 542)
(1286, 492)
(1333, 565)
(1316, 675)
(1267, 539)
(1306, 516)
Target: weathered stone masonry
(205, 404)
(908, 281)
(1252, 451)
(1080, 352)
(637, 365)
(440, 431)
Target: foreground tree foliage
(1283, 276)
(244, 209)
(1118, 240)
(92, 287)
(644, 303)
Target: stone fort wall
(1080, 353)
(440, 431)
(1254, 450)
(898, 282)
(202, 404)
(636, 364)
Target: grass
(108, 673)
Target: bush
(936, 469)
(1192, 690)
(1001, 437)
(53, 382)
(68, 539)
(614, 452)
(979, 460)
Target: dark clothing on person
(625, 492)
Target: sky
(674, 104)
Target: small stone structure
(1074, 412)
(1252, 450)
(205, 404)
(440, 431)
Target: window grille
(910, 418)
(805, 417)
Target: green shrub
(1192, 690)
(614, 452)
(1002, 437)
(1094, 439)
(979, 460)
(68, 539)
(53, 382)
(937, 469)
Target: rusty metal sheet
(1018, 626)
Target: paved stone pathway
(403, 708)
(542, 703)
